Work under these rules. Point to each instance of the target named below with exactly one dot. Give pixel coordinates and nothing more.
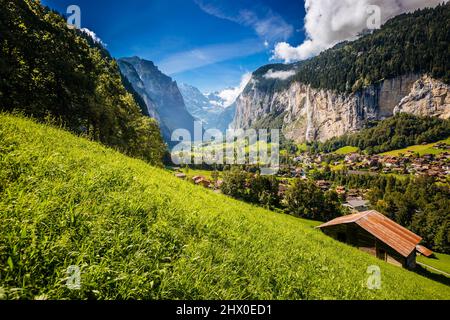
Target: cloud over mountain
(329, 22)
(94, 36)
(280, 75)
(230, 95)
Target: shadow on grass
(432, 275)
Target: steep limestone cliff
(160, 93)
(310, 114)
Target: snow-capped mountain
(208, 108)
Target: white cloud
(93, 35)
(269, 25)
(329, 22)
(265, 22)
(279, 75)
(230, 95)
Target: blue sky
(206, 43)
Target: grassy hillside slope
(439, 261)
(420, 149)
(347, 150)
(138, 232)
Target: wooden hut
(377, 235)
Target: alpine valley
(94, 205)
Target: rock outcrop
(428, 97)
(311, 114)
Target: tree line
(398, 132)
(302, 198)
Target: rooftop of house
(355, 203)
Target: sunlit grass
(420, 149)
(347, 150)
(439, 261)
(138, 232)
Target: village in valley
(306, 165)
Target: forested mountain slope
(48, 70)
(403, 67)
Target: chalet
(374, 233)
(357, 205)
(421, 250)
(371, 162)
(323, 184)
(390, 162)
(202, 181)
(219, 184)
(282, 189)
(352, 158)
(353, 194)
(299, 172)
(442, 146)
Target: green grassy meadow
(420, 149)
(347, 150)
(190, 173)
(138, 232)
(439, 261)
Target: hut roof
(424, 251)
(391, 233)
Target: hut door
(381, 254)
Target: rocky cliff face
(134, 79)
(428, 97)
(161, 94)
(310, 114)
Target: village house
(323, 184)
(202, 181)
(423, 251)
(299, 172)
(318, 159)
(390, 162)
(352, 158)
(357, 205)
(442, 145)
(282, 189)
(374, 233)
(353, 194)
(371, 162)
(219, 184)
